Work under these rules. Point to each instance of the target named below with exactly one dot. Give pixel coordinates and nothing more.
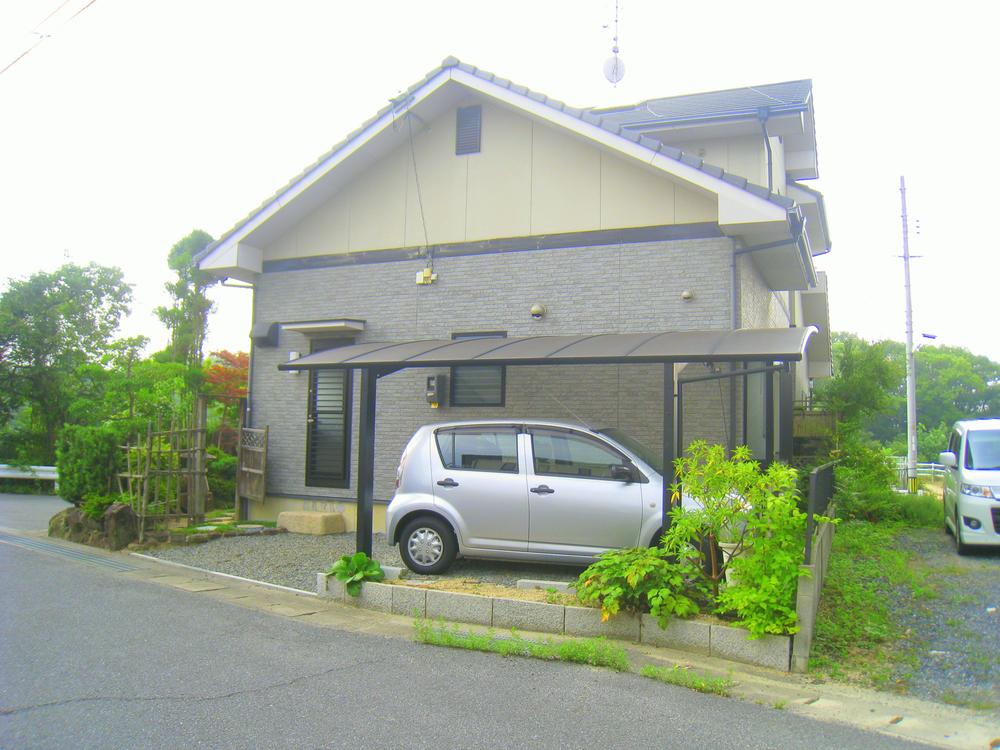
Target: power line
(42, 37)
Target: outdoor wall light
(687, 295)
(537, 311)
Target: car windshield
(982, 450)
(635, 447)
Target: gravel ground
(956, 635)
(294, 559)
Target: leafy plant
(636, 580)
(756, 513)
(87, 458)
(94, 506)
(353, 570)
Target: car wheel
(427, 545)
(960, 547)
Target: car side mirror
(947, 459)
(623, 473)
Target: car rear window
(982, 449)
(478, 449)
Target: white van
(972, 484)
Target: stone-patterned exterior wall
(607, 289)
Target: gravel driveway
(955, 636)
(294, 559)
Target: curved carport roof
(756, 344)
(767, 345)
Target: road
(93, 657)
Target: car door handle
(448, 482)
(542, 489)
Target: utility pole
(911, 373)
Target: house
(474, 208)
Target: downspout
(762, 114)
(734, 279)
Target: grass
(975, 699)
(857, 638)
(596, 652)
(689, 679)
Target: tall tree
(187, 318)
(51, 325)
(865, 383)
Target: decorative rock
(318, 523)
(121, 527)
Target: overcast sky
(131, 122)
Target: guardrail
(47, 473)
(924, 469)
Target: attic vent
(468, 129)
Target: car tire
(427, 545)
(960, 547)
(944, 515)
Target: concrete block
(523, 615)
(374, 596)
(312, 522)
(683, 635)
(459, 607)
(329, 587)
(768, 651)
(587, 622)
(531, 583)
(409, 601)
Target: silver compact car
(972, 484)
(521, 490)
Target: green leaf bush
(353, 570)
(88, 459)
(753, 511)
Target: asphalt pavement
(102, 649)
(93, 657)
(28, 512)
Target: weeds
(596, 652)
(688, 678)
(856, 634)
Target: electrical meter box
(437, 387)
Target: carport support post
(669, 449)
(366, 460)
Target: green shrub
(221, 477)
(94, 505)
(354, 569)
(637, 580)
(88, 459)
(864, 483)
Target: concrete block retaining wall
(698, 636)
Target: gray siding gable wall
(610, 288)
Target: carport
(746, 351)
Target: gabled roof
(465, 73)
(790, 96)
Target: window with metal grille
(328, 424)
(478, 385)
(468, 130)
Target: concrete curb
(265, 584)
(695, 636)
